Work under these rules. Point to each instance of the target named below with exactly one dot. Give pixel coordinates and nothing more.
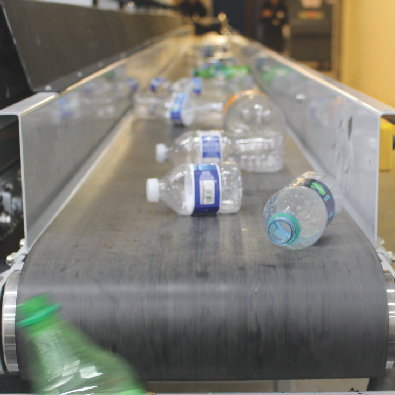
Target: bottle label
(323, 192)
(207, 188)
(155, 82)
(179, 100)
(211, 146)
(197, 86)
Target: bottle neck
(43, 326)
(168, 153)
(162, 188)
(283, 229)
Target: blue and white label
(155, 82)
(197, 85)
(211, 147)
(176, 107)
(324, 193)
(207, 186)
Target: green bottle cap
(35, 310)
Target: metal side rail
(337, 129)
(62, 135)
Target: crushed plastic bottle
(199, 189)
(252, 152)
(180, 108)
(64, 361)
(257, 121)
(163, 86)
(297, 215)
(210, 89)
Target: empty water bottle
(144, 104)
(162, 86)
(209, 89)
(200, 146)
(259, 124)
(177, 108)
(251, 152)
(185, 109)
(199, 189)
(252, 111)
(296, 216)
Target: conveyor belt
(208, 298)
(192, 298)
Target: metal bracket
(385, 257)
(8, 322)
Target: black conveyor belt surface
(208, 298)
(192, 298)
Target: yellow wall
(368, 47)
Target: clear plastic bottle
(177, 108)
(199, 189)
(252, 152)
(257, 123)
(252, 111)
(215, 88)
(240, 83)
(200, 146)
(296, 216)
(127, 88)
(145, 102)
(64, 361)
(181, 108)
(209, 112)
(162, 86)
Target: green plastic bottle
(224, 71)
(65, 361)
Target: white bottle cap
(152, 188)
(161, 153)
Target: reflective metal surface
(61, 135)
(336, 127)
(8, 322)
(389, 282)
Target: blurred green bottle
(63, 360)
(222, 71)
